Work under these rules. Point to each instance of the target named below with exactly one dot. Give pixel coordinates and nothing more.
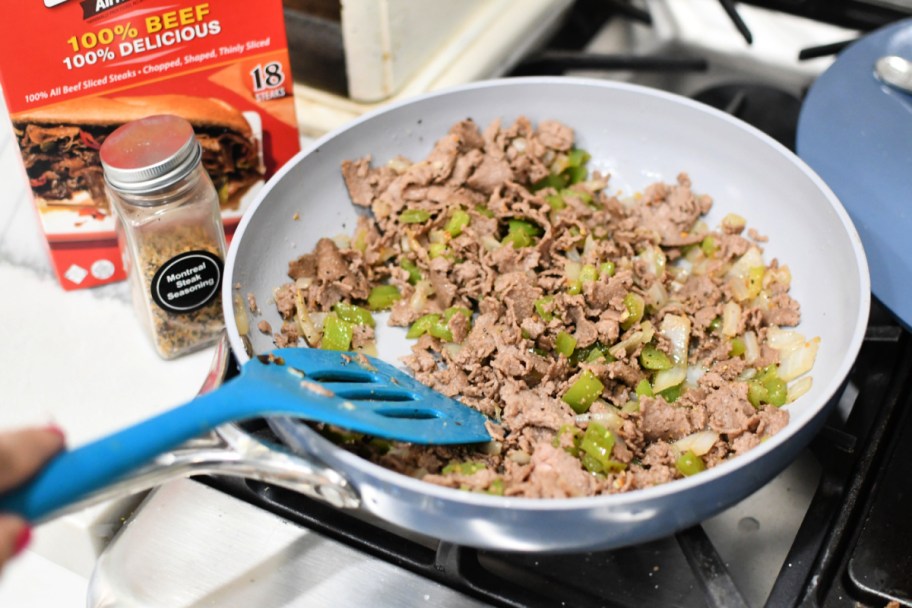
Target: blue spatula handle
(74, 474)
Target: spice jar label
(187, 282)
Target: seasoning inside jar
(169, 229)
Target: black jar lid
(150, 153)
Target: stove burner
(773, 111)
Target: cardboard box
(74, 70)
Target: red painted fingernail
(53, 428)
(22, 540)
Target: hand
(22, 454)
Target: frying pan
(638, 136)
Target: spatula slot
(375, 394)
(341, 376)
(409, 413)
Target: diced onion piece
(637, 338)
(798, 388)
(747, 374)
(694, 373)
(519, 457)
(781, 275)
(761, 302)
(609, 419)
(241, 321)
(414, 245)
(572, 270)
(381, 208)
(419, 299)
(655, 259)
(369, 349)
(589, 246)
(491, 448)
(734, 222)
(594, 185)
(667, 378)
(303, 282)
(304, 321)
(681, 270)
(359, 242)
(783, 339)
(560, 163)
(751, 347)
(699, 443)
(657, 295)
(739, 275)
(794, 362)
(519, 143)
(739, 288)
(731, 319)
(677, 329)
(399, 164)
(452, 348)
(342, 241)
(490, 243)
(318, 318)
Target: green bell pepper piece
(672, 393)
(767, 387)
(354, 314)
(583, 392)
(565, 343)
(457, 223)
(644, 389)
(412, 269)
(636, 307)
(540, 305)
(414, 216)
(422, 325)
(383, 297)
(482, 210)
(653, 359)
(595, 450)
(689, 464)
(337, 334)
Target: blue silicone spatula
(348, 390)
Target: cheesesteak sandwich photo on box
(60, 143)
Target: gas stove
(831, 530)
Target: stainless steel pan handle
(231, 451)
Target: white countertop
(78, 359)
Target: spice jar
(169, 229)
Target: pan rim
(625, 499)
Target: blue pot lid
(856, 133)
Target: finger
(15, 535)
(23, 452)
